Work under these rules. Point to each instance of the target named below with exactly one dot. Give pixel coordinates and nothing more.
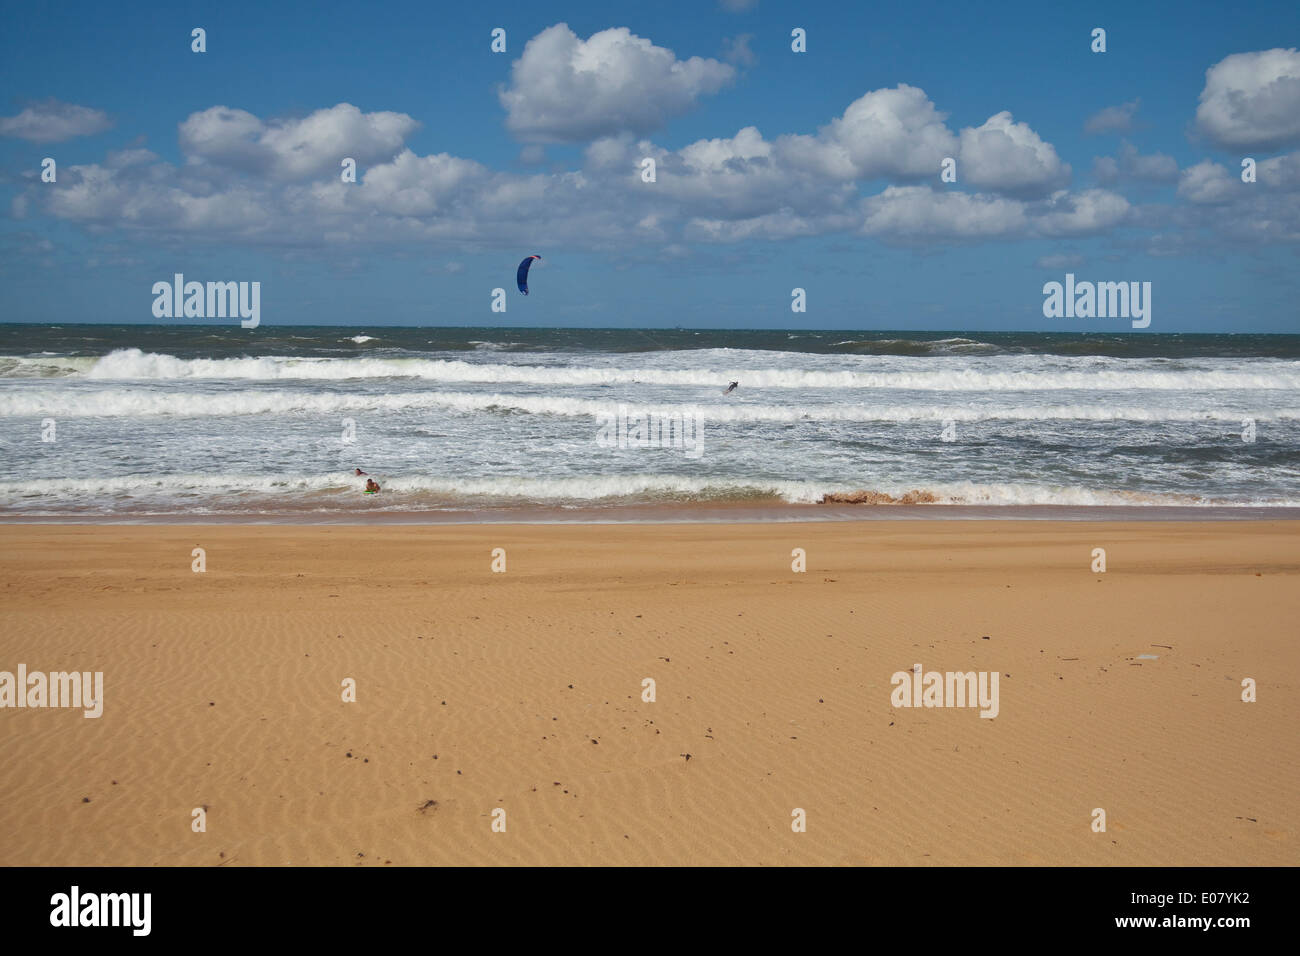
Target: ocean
(189, 422)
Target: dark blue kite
(521, 277)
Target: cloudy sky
(774, 169)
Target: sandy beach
(478, 691)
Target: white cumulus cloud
(54, 122)
(919, 212)
(1009, 157)
(885, 133)
(564, 89)
(293, 148)
(1079, 214)
(1209, 183)
(1252, 100)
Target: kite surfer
(521, 277)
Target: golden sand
(523, 691)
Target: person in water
(371, 485)
(360, 472)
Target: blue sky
(775, 169)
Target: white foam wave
(150, 402)
(404, 491)
(917, 374)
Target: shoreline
(686, 514)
